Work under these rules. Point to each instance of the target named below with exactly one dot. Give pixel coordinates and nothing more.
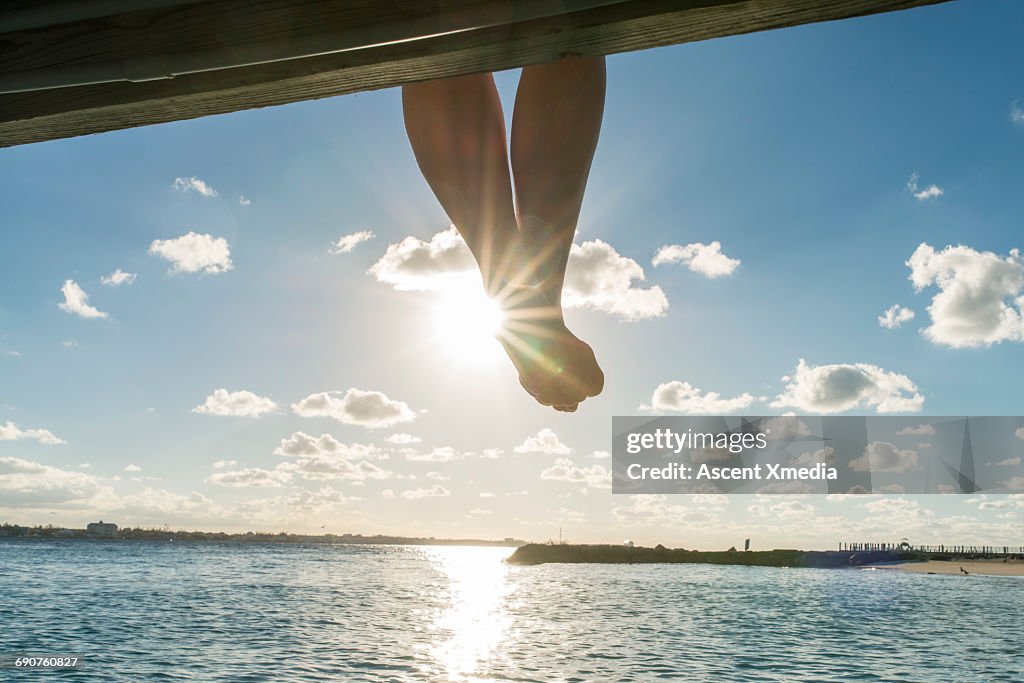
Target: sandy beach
(988, 567)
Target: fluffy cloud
(221, 464)
(235, 404)
(319, 501)
(845, 386)
(76, 301)
(441, 454)
(1008, 462)
(882, 456)
(895, 316)
(597, 277)
(255, 477)
(403, 439)
(921, 194)
(786, 428)
(25, 483)
(301, 444)
(824, 456)
(706, 259)
(132, 468)
(327, 468)
(193, 184)
(918, 430)
(12, 432)
(347, 243)
(595, 476)
(980, 294)
(601, 279)
(1017, 114)
(1019, 433)
(356, 407)
(415, 265)
(118, 278)
(435, 491)
(684, 398)
(545, 441)
(244, 201)
(194, 253)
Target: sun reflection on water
(475, 620)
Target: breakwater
(536, 553)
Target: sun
(465, 324)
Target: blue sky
(794, 150)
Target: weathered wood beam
(385, 43)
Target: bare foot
(555, 366)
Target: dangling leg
(457, 131)
(555, 128)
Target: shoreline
(907, 560)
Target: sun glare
(466, 322)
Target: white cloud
(601, 455)
(356, 407)
(11, 432)
(595, 476)
(221, 464)
(76, 301)
(235, 404)
(435, 491)
(251, 477)
(706, 259)
(301, 444)
(597, 276)
(244, 201)
(193, 184)
(930, 192)
(416, 265)
(895, 316)
(347, 243)
(329, 467)
(194, 253)
(437, 476)
(980, 294)
(29, 484)
(1017, 114)
(545, 441)
(118, 278)
(321, 500)
(919, 430)
(1014, 483)
(684, 398)
(491, 453)
(845, 386)
(1009, 462)
(824, 456)
(882, 456)
(132, 468)
(786, 428)
(441, 454)
(601, 279)
(1019, 433)
(403, 439)
(69, 344)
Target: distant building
(101, 528)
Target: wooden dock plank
(509, 35)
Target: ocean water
(141, 611)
